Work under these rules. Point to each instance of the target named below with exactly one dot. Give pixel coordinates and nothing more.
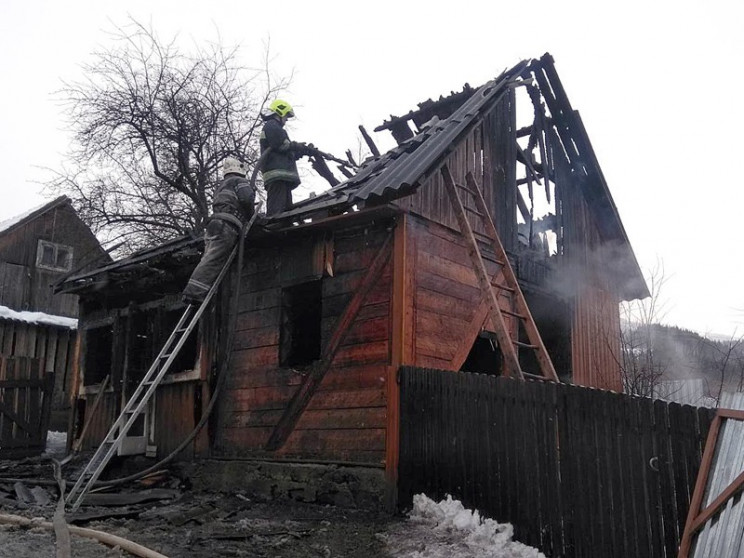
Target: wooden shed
(38, 327)
(338, 293)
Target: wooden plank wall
(488, 152)
(345, 419)
(595, 344)
(431, 199)
(176, 407)
(446, 296)
(25, 400)
(580, 473)
(15, 285)
(19, 247)
(54, 346)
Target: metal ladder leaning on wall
(505, 281)
(146, 388)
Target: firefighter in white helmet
(232, 206)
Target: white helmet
(232, 165)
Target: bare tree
(726, 360)
(641, 367)
(151, 125)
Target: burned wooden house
(38, 327)
(335, 295)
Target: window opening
(99, 343)
(299, 343)
(52, 256)
(186, 358)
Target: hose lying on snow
(100, 536)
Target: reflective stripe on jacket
(234, 196)
(280, 163)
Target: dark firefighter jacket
(280, 163)
(233, 200)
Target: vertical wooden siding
(346, 418)
(25, 401)
(596, 323)
(488, 151)
(580, 473)
(176, 407)
(52, 345)
(595, 344)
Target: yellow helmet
(282, 108)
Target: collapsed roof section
(438, 126)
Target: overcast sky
(658, 86)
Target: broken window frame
(56, 250)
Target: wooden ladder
(504, 297)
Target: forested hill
(653, 353)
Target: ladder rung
(472, 210)
(165, 356)
(524, 345)
(461, 187)
(534, 376)
(502, 287)
(515, 314)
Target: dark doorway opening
(98, 354)
(485, 356)
(299, 343)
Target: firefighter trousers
(219, 239)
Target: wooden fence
(578, 472)
(25, 402)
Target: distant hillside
(656, 353)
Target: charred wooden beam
(321, 167)
(442, 107)
(350, 157)
(522, 205)
(369, 141)
(401, 131)
(524, 132)
(345, 171)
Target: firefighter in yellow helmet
(279, 170)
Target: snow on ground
(56, 444)
(448, 530)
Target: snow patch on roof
(5, 225)
(39, 318)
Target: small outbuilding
(38, 328)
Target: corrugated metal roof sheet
(399, 171)
(724, 537)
